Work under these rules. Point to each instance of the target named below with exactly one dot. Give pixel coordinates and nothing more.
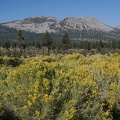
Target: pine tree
(118, 44)
(47, 41)
(65, 41)
(20, 39)
(88, 45)
(101, 44)
(114, 44)
(97, 45)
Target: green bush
(7, 114)
(1, 61)
(13, 62)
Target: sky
(106, 11)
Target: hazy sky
(106, 11)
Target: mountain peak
(85, 23)
(52, 24)
(118, 27)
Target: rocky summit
(52, 24)
(78, 28)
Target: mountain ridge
(118, 27)
(77, 28)
(52, 24)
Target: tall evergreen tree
(97, 45)
(65, 41)
(88, 45)
(114, 44)
(47, 41)
(118, 44)
(101, 44)
(20, 39)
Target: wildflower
(15, 109)
(25, 107)
(94, 92)
(37, 112)
(29, 103)
(107, 113)
(34, 98)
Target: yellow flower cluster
(62, 87)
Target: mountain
(52, 24)
(35, 24)
(118, 27)
(10, 34)
(77, 28)
(84, 23)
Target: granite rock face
(51, 24)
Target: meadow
(60, 87)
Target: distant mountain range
(77, 28)
(118, 27)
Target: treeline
(78, 44)
(64, 43)
(98, 45)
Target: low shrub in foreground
(67, 87)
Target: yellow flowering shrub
(62, 87)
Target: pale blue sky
(106, 11)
